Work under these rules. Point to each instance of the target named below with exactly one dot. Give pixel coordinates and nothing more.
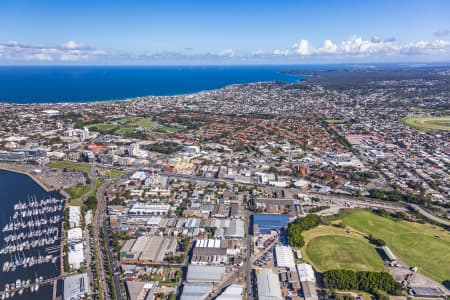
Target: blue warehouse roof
(268, 222)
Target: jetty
(19, 287)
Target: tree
(295, 237)
(164, 147)
(295, 229)
(381, 295)
(308, 222)
(371, 282)
(375, 241)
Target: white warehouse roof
(204, 273)
(195, 291)
(76, 256)
(74, 234)
(232, 292)
(74, 216)
(139, 175)
(76, 286)
(236, 229)
(306, 272)
(284, 257)
(268, 285)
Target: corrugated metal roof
(205, 273)
(76, 286)
(268, 285)
(236, 228)
(195, 291)
(306, 272)
(389, 253)
(268, 222)
(309, 290)
(232, 292)
(284, 257)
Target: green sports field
(426, 246)
(428, 123)
(69, 166)
(340, 252)
(128, 125)
(416, 244)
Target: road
(373, 202)
(429, 216)
(100, 223)
(96, 227)
(232, 278)
(245, 269)
(197, 178)
(114, 267)
(248, 250)
(341, 199)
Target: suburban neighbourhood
(255, 191)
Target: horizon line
(229, 65)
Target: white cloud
(302, 48)
(69, 51)
(72, 45)
(38, 57)
(99, 52)
(11, 44)
(258, 52)
(278, 52)
(357, 46)
(375, 39)
(423, 47)
(73, 57)
(328, 47)
(354, 47)
(226, 53)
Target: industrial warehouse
(147, 249)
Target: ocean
(50, 84)
(16, 187)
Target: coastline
(270, 73)
(27, 170)
(16, 169)
(128, 99)
(22, 169)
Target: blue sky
(223, 32)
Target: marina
(19, 287)
(32, 227)
(30, 239)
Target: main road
(429, 216)
(367, 201)
(248, 254)
(96, 227)
(99, 224)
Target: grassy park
(341, 252)
(76, 192)
(128, 125)
(421, 245)
(428, 123)
(69, 166)
(115, 173)
(330, 247)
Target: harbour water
(18, 192)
